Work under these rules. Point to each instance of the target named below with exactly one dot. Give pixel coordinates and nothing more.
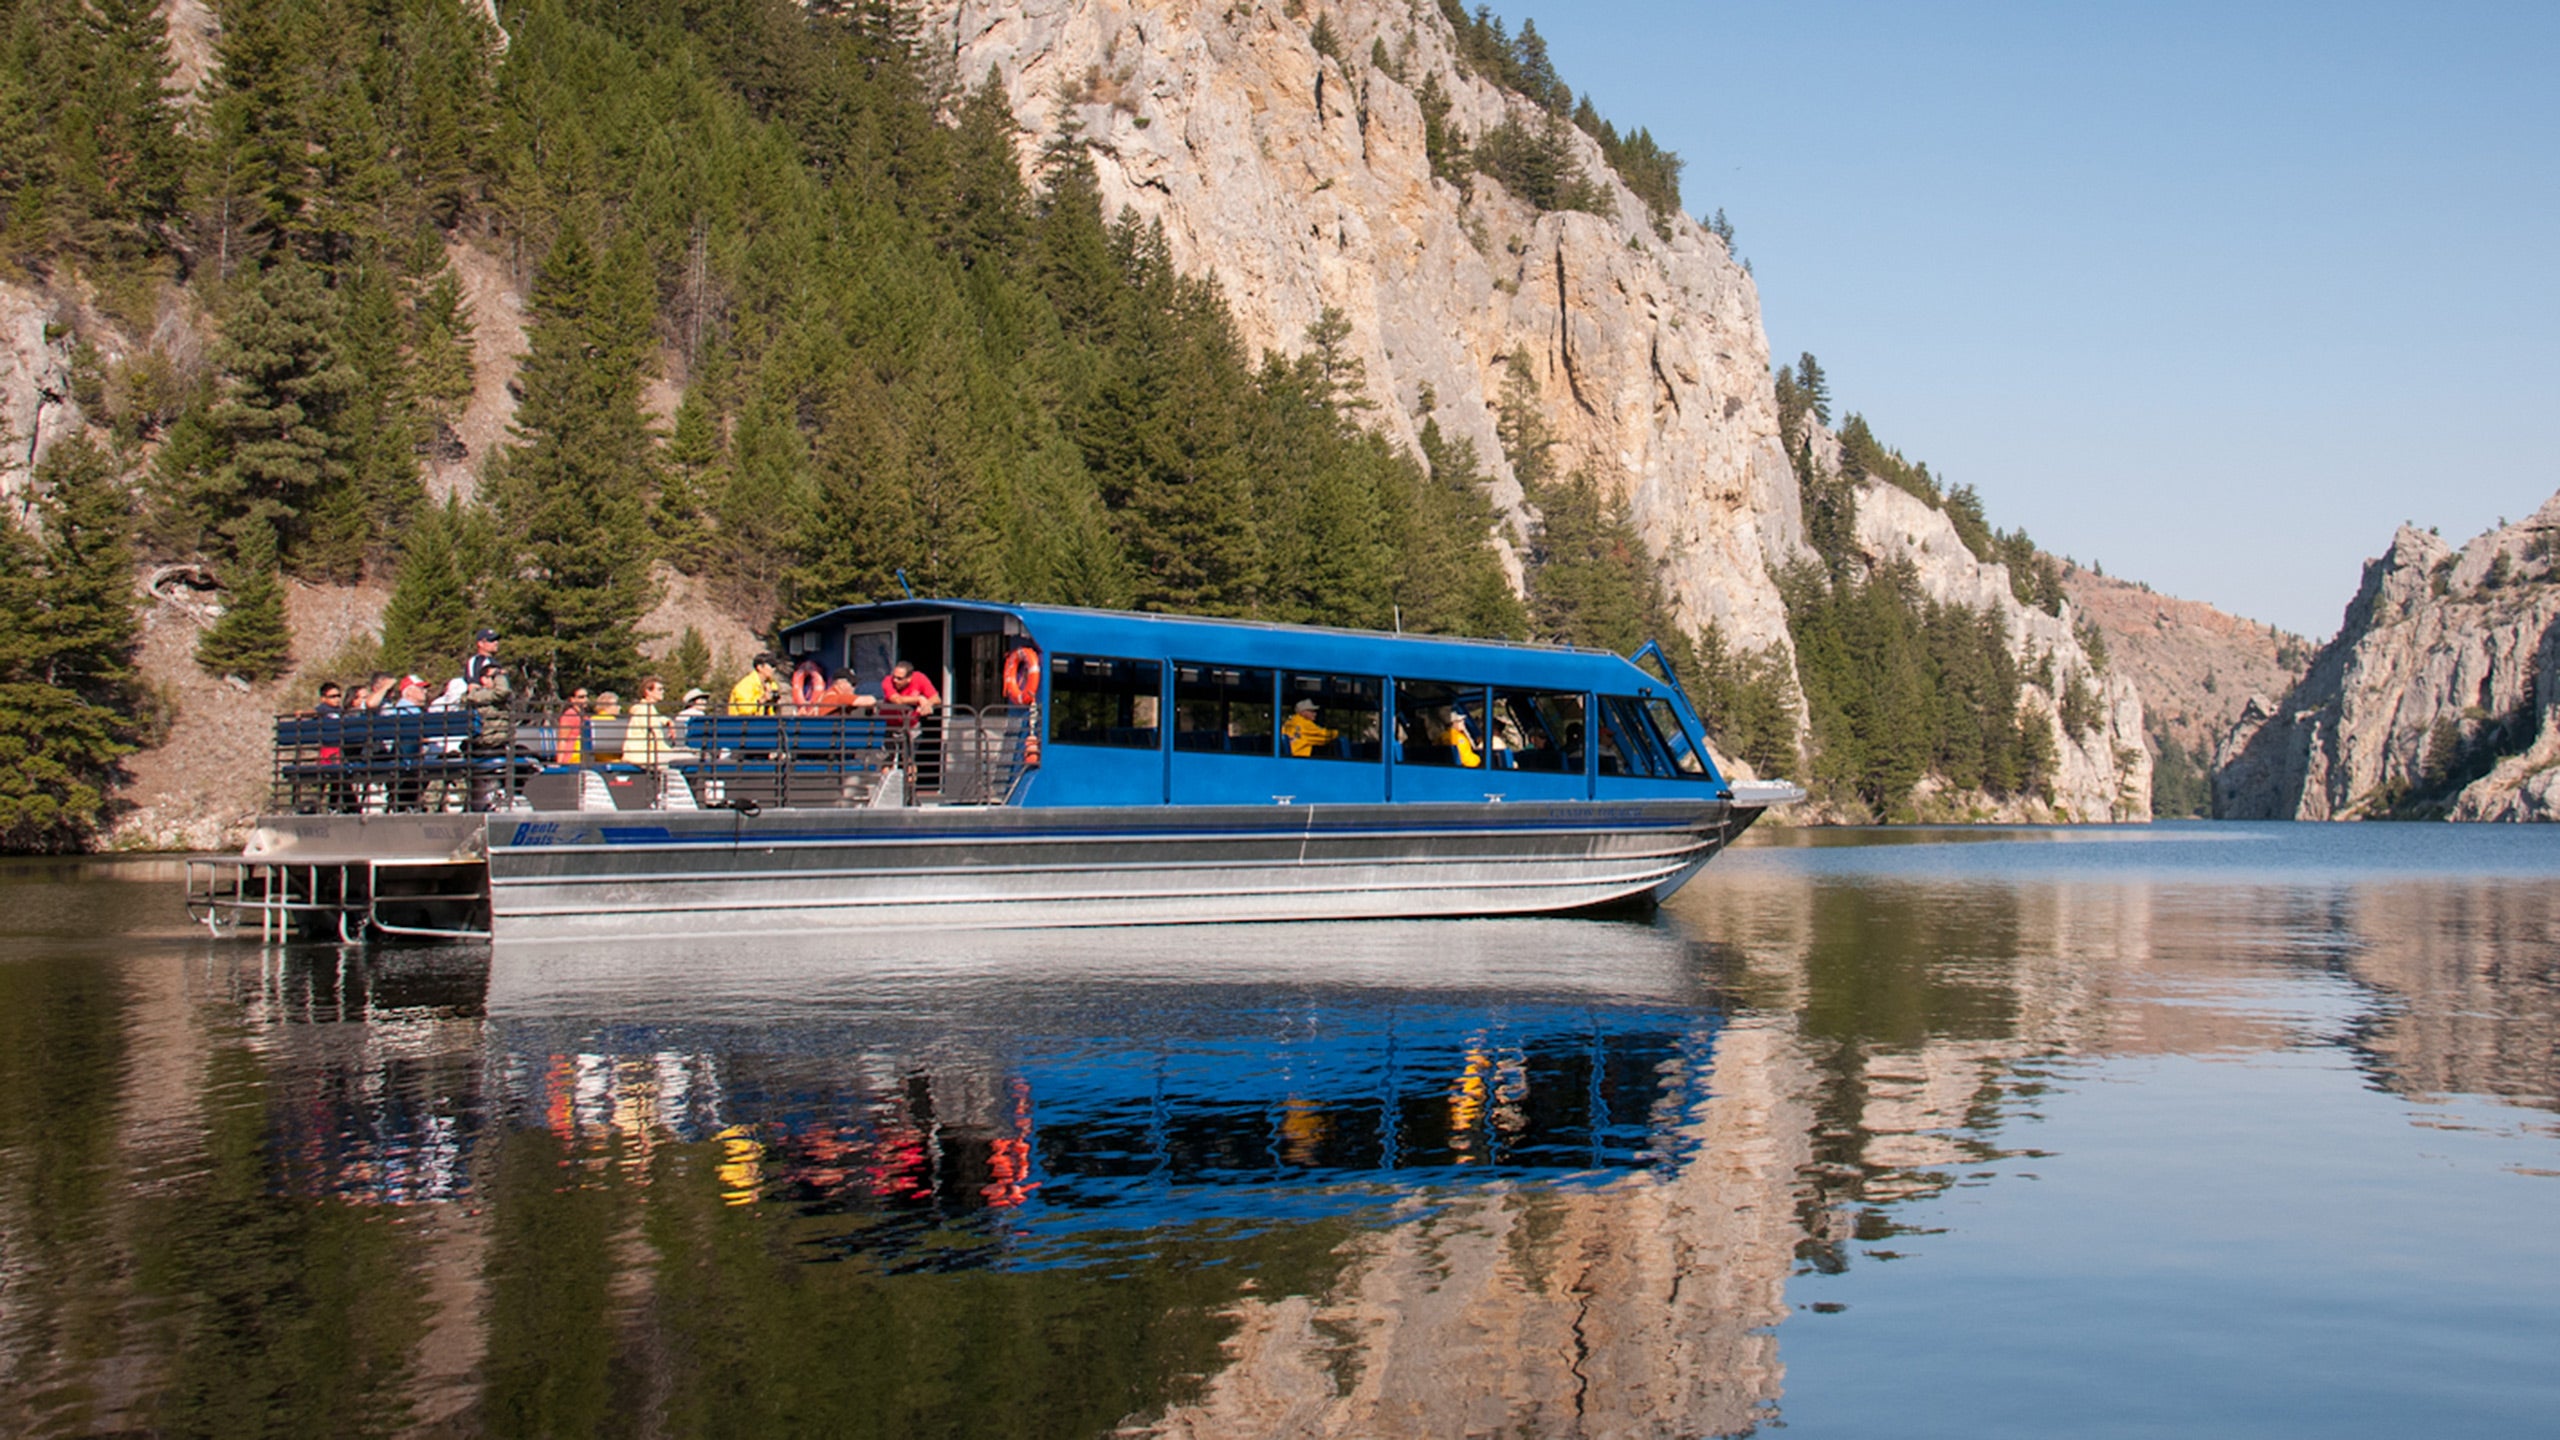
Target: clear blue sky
(2212, 294)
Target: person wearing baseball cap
(484, 658)
(1303, 733)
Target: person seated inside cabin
(608, 706)
(1461, 745)
(757, 692)
(841, 698)
(909, 687)
(1304, 734)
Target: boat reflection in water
(1118, 1081)
(1419, 1176)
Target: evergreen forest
(899, 364)
(1897, 686)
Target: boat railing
(437, 762)
(954, 756)
(411, 762)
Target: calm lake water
(2208, 1128)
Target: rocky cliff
(36, 405)
(2101, 773)
(2195, 666)
(2437, 698)
(1301, 181)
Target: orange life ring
(806, 686)
(1022, 676)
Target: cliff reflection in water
(1440, 1179)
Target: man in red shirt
(908, 686)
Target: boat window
(1686, 763)
(1099, 700)
(1538, 730)
(1628, 745)
(1344, 725)
(1439, 722)
(1221, 709)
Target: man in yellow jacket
(758, 692)
(1303, 732)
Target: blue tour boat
(1078, 767)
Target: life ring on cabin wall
(1022, 676)
(806, 686)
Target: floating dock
(348, 876)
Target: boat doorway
(926, 644)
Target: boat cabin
(1089, 707)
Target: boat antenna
(902, 583)
(1399, 619)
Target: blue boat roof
(1137, 634)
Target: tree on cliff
(438, 600)
(572, 493)
(67, 636)
(272, 450)
(252, 639)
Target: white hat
(1306, 707)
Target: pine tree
(693, 472)
(1450, 582)
(252, 639)
(989, 211)
(283, 424)
(254, 180)
(1816, 387)
(122, 151)
(689, 665)
(440, 369)
(437, 594)
(571, 492)
(67, 637)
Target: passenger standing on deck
(1304, 735)
(644, 740)
(570, 748)
(482, 659)
(908, 686)
(757, 692)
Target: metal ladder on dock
(347, 899)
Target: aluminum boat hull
(633, 874)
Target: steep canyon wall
(2437, 698)
(1301, 181)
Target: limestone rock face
(2103, 773)
(2439, 692)
(36, 407)
(2196, 666)
(1300, 181)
